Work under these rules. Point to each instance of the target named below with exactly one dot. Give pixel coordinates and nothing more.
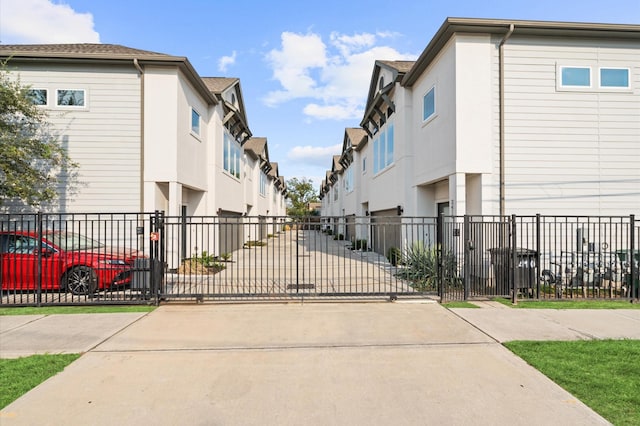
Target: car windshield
(70, 241)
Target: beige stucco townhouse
(147, 132)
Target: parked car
(69, 262)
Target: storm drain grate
(301, 287)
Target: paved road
(321, 363)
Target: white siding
(570, 152)
(103, 138)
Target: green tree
(300, 193)
(32, 161)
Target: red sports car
(70, 262)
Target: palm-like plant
(421, 266)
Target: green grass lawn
(50, 310)
(569, 304)
(460, 305)
(18, 376)
(604, 374)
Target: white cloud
(226, 61)
(334, 77)
(314, 155)
(333, 112)
(43, 21)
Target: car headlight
(117, 262)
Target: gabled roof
(521, 27)
(357, 136)
(273, 173)
(337, 167)
(378, 99)
(102, 53)
(399, 66)
(217, 85)
(81, 50)
(235, 116)
(256, 147)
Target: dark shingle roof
(356, 135)
(400, 66)
(107, 53)
(82, 50)
(218, 85)
(255, 146)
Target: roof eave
(522, 27)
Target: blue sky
(304, 66)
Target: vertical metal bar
(467, 247)
(39, 263)
(631, 259)
(512, 263)
(439, 238)
(537, 265)
(297, 257)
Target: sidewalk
(322, 363)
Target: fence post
(512, 265)
(39, 263)
(632, 263)
(467, 247)
(538, 269)
(439, 238)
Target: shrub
(255, 243)
(394, 254)
(360, 245)
(421, 267)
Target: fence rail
(48, 259)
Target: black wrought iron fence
(147, 257)
(76, 258)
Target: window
(37, 96)
(195, 122)
(364, 165)
(390, 147)
(335, 192)
(383, 148)
(614, 77)
(575, 77)
(429, 104)
(348, 180)
(72, 98)
(263, 183)
(231, 156)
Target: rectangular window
(231, 156)
(614, 77)
(389, 155)
(263, 183)
(195, 122)
(348, 180)
(37, 96)
(383, 149)
(72, 98)
(429, 104)
(575, 76)
(364, 165)
(375, 156)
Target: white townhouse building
(147, 131)
(502, 117)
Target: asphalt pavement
(292, 363)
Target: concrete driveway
(311, 364)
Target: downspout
(501, 77)
(141, 75)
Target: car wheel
(80, 280)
